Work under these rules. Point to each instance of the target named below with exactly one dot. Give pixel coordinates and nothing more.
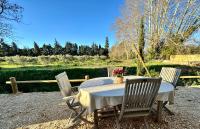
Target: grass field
(77, 64)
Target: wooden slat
(189, 76)
(44, 81)
(139, 95)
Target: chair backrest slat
(64, 84)
(170, 75)
(140, 94)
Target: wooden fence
(14, 83)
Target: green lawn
(77, 64)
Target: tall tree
(106, 51)
(47, 50)
(101, 50)
(36, 49)
(95, 49)
(74, 49)
(4, 48)
(107, 43)
(167, 22)
(85, 50)
(68, 48)
(57, 48)
(14, 49)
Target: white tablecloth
(102, 92)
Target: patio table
(102, 92)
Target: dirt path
(47, 110)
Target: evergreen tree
(101, 50)
(57, 48)
(26, 52)
(14, 49)
(4, 48)
(29, 52)
(68, 48)
(74, 49)
(88, 50)
(47, 50)
(107, 43)
(141, 44)
(95, 49)
(106, 50)
(36, 49)
(81, 50)
(85, 50)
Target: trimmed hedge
(45, 74)
(73, 73)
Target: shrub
(9, 60)
(44, 60)
(46, 74)
(21, 60)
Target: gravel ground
(47, 110)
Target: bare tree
(166, 22)
(9, 12)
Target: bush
(21, 60)
(9, 60)
(44, 60)
(47, 74)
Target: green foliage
(14, 49)
(57, 48)
(47, 49)
(36, 49)
(46, 74)
(106, 51)
(107, 43)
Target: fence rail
(183, 77)
(43, 81)
(14, 83)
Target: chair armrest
(69, 98)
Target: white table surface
(101, 92)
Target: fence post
(13, 85)
(87, 77)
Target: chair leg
(116, 118)
(96, 120)
(79, 116)
(167, 109)
(146, 124)
(159, 111)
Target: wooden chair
(170, 75)
(110, 70)
(139, 97)
(71, 101)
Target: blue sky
(80, 21)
